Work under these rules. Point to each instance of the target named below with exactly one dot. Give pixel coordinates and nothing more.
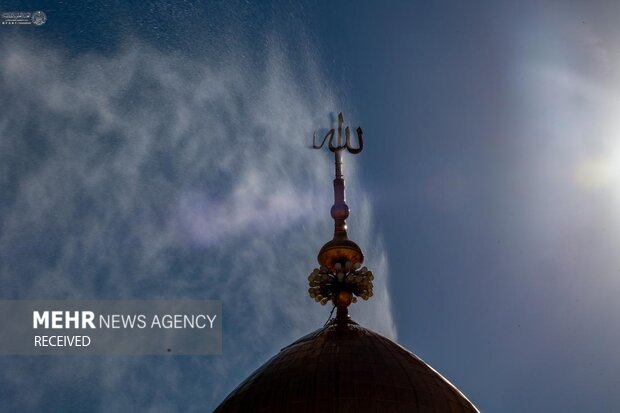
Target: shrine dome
(344, 367)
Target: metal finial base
(341, 287)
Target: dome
(344, 367)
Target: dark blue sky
(492, 168)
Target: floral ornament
(326, 284)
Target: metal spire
(340, 210)
(340, 277)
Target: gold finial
(340, 278)
(340, 248)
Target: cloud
(142, 174)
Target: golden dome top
(344, 367)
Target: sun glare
(598, 173)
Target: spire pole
(340, 278)
(340, 210)
(340, 248)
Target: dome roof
(344, 367)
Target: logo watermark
(110, 327)
(35, 18)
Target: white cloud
(146, 175)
